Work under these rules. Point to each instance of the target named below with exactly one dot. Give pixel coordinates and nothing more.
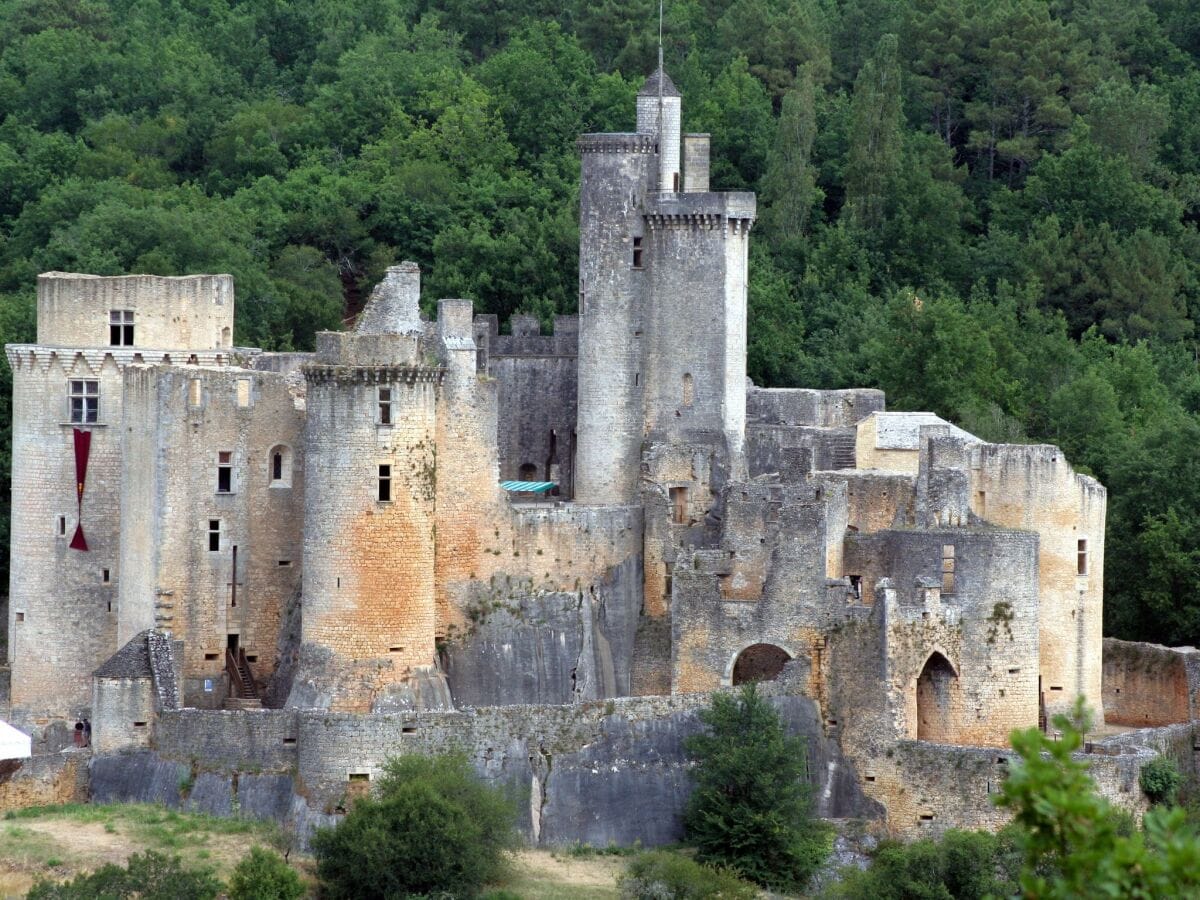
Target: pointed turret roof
(650, 88)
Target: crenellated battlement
(525, 337)
(627, 142)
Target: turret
(660, 92)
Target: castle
(427, 516)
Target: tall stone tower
(370, 467)
(662, 300)
(68, 439)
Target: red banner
(83, 446)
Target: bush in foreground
(752, 809)
(263, 875)
(962, 865)
(147, 876)
(1160, 780)
(662, 875)
(433, 828)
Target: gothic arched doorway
(937, 701)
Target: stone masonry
(327, 533)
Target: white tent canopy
(14, 744)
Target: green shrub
(148, 876)
(751, 809)
(263, 875)
(964, 865)
(662, 875)
(1160, 780)
(433, 828)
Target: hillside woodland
(987, 208)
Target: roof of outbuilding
(650, 88)
(131, 661)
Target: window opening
(385, 483)
(85, 401)
(225, 472)
(1081, 557)
(637, 252)
(214, 535)
(62, 526)
(277, 466)
(120, 328)
(675, 182)
(385, 406)
(689, 389)
(105, 577)
(856, 586)
(527, 472)
(679, 499)
(948, 569)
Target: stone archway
(938, 701)
(759, 662)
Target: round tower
(616, 173)
(370, 455)
(660, 92)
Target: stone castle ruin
(427, 533)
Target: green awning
(530, 487)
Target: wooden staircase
(243, 692)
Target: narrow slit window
(679, 500)
(214, 535)
(277, 465)
(120, 328)
(637, 252)
(385, 406)
(62, 526)
(1081, 557)
(385, 483)
(105, 576)
(84, 401)
(225, 472)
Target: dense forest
(987, 209)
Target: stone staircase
(842, 452)
(243, 692)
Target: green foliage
(1160, 780)
(751, 809)
(664, 875)
(264, 875)
(148, 876)
(960, 865)
(434, 827)
(1072, 843)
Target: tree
(789, 184)
(1070, 836)
(434, 827)
(874, 157)
(751, 809)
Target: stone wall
(44, 780)
(123, 713)
(1147, 685)
(193, 312)
(576, 769)
(178, 422)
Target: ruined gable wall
(766, 584)
(875, 500)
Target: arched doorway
(938, 705)
(759, 662)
